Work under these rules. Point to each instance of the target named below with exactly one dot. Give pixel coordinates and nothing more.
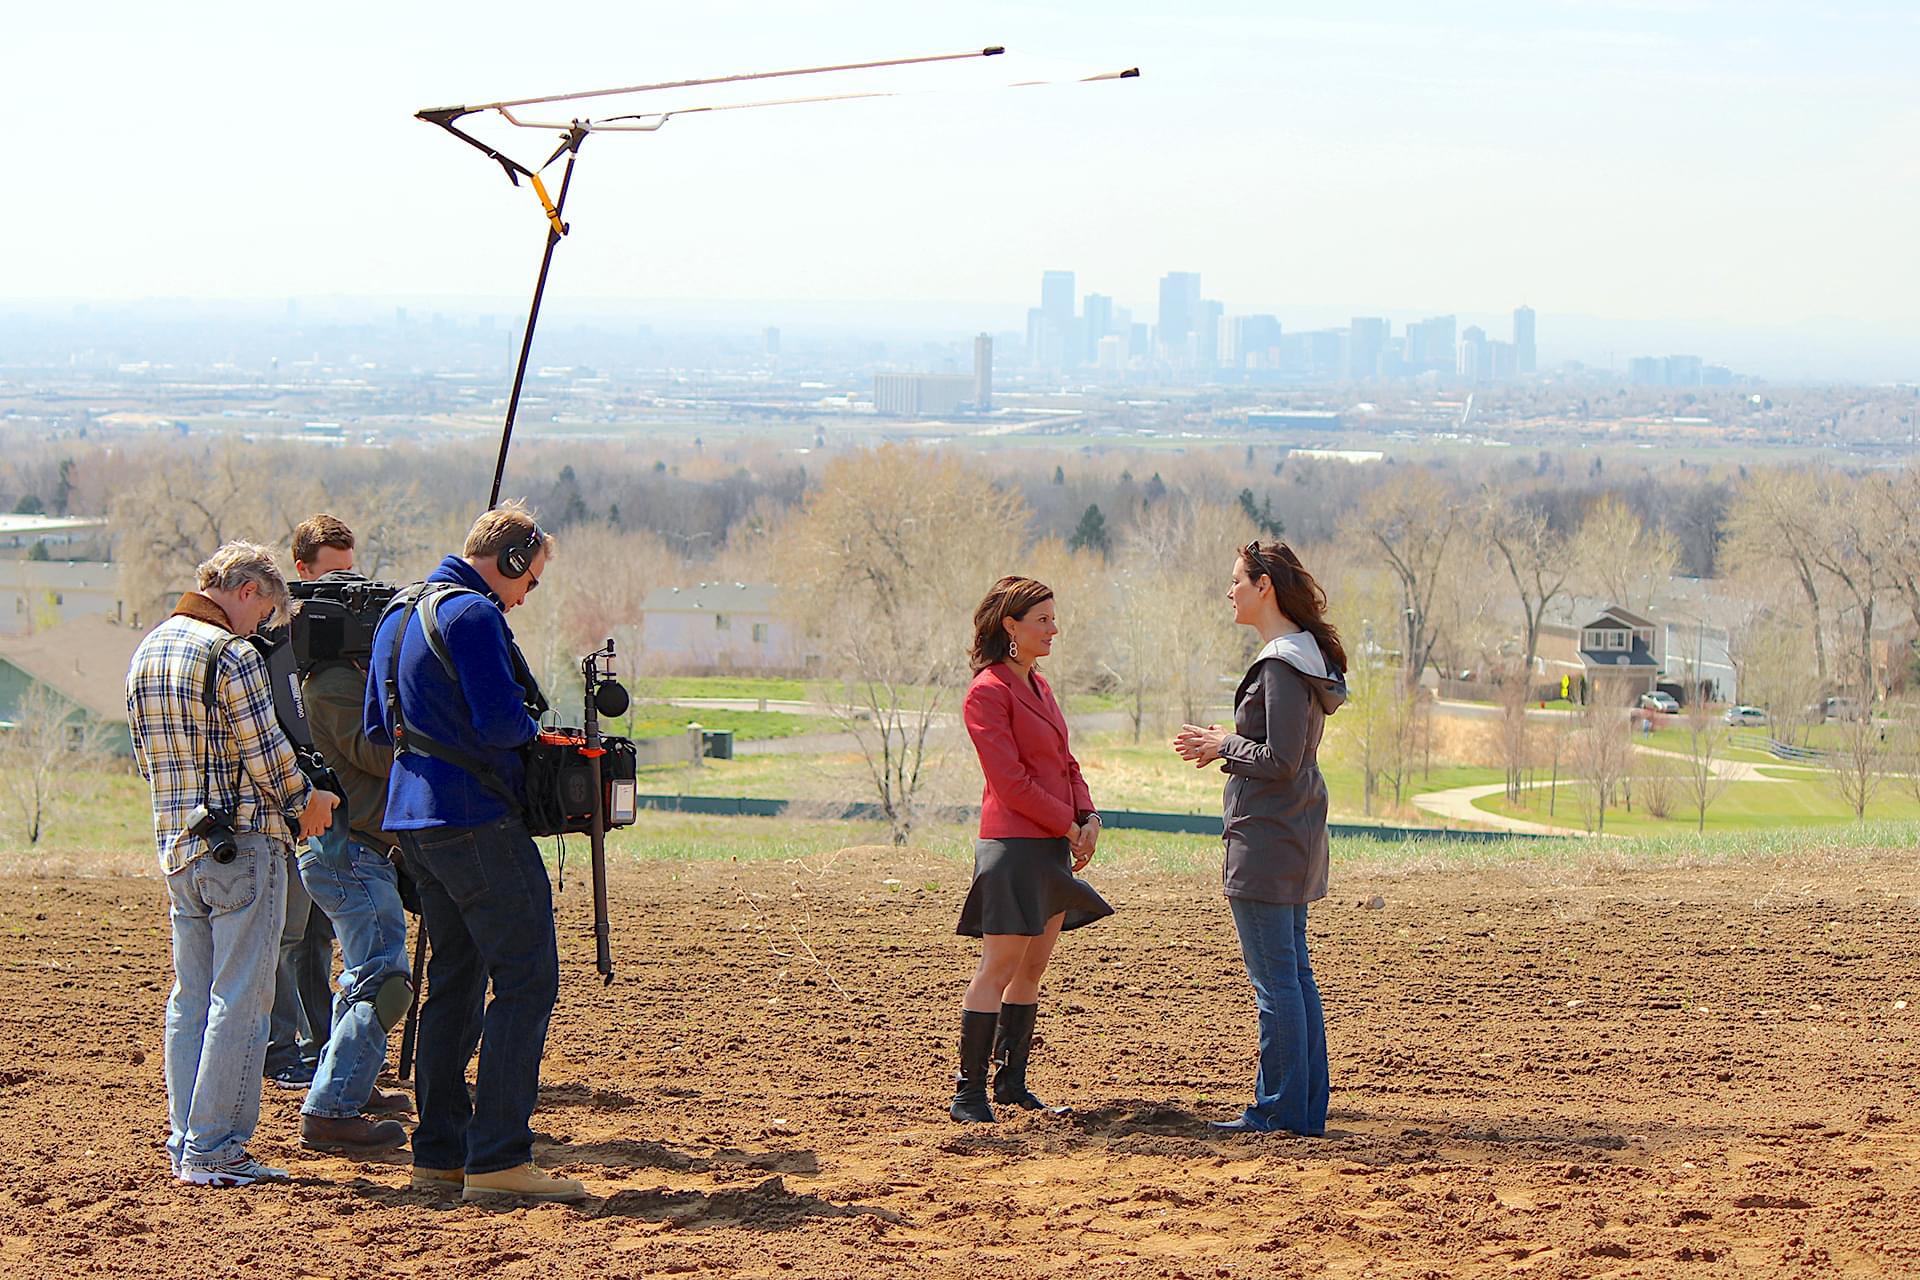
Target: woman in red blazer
(1037, 828)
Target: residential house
(718, 626)
(82, 662)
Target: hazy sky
(1740, 163)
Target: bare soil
(1593, 1070)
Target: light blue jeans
(1290, 1091)
(359, 890)
(226, 935)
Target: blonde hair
(504, 526)
(238, 563)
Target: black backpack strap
(209, 699)
(426, 601)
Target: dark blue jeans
(1290, 1091)
(303, 985)
(487, 906)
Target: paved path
(1457, 804)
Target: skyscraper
(983, 373)
(1206, 333)
(1179, 296)
(1056, 297)
(1366, 347)
(1475, 361)
(1096, 321)
(1523, 355)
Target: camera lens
(223, 848)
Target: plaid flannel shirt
(177, 742)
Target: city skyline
(1653, 162)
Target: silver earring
(1013, 650)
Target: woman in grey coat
(1276, 823)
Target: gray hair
(238, 563)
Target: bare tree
(1772, 524)
(50, 743)
(1602, 751)
(1852, 550)
(883, 568)
(1775, 657)
(1858, 766)
(1538, 561)
(1704, 778)
(1411, 520)
(1621, 557)
(1513, 689)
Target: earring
(1013, 650)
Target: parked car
(1836, 708)
(1658, 701)
(1744, 714)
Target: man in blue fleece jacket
(485, 898)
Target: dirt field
(1586, 1071)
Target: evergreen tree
(1262, 516)
(1156, 489)
(1091, 534)
(1059, 474)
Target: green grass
(1744, 806)
(660, 720)
(733, 688)
(1677, 741)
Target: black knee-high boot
(976, 1047)
(1012, 1044)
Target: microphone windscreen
(610, 700)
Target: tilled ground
(1590, 1071)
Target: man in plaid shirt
(226, 914)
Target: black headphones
(516, 558)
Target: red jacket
(1034, 787)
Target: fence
(1110, 819)
(1485, 691)
(1779, 750)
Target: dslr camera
(217, 826)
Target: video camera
(334, 618)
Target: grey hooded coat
(1276, 799)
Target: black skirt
(1020, 883)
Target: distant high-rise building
(1179, 297)
(983, 372)
(1432, 346)
(771, 341)
(1474, 362)
(1096, 322)
(1502, 361)
(1647, 371)
(1056, 297)
(1682, 371)
(1251, 342)
(1111, 353)
(1523, 353)
(1366, 347)
(1206, 333)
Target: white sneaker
(241, 1171)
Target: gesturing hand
(1201, 746)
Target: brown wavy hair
(1011, 597)
(1298, 594)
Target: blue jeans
(359, 891)
(303, 984)
(226, 924)
(1290, 1091)
(487, 906)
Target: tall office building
(1366, 347)
(1432, 346)
(1207, 315)
(1523, 354)
(1179, 297)
(1096, 322)
(1475, 362)
(983, 373)
(1056, 297)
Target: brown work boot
(425, 1179)
(351, 1135)
(523, 1182)
(383, 1103)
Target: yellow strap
(553, 214)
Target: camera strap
(209, 699)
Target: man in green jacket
(351, 876)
